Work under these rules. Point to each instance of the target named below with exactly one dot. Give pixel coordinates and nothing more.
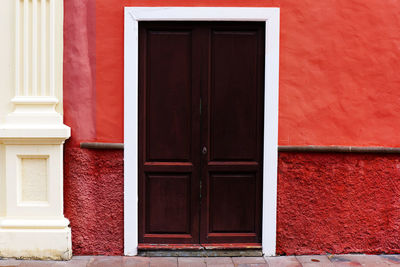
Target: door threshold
(200, 250)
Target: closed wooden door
(200, 132)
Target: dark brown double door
(200, 132)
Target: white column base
(44, 239)
(32, 224)
(37, 243)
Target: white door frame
(271, 18)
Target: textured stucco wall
(327, 203)
(338, 203)
(94, 200)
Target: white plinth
(32, 224)
(30, 239)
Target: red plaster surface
(338, 203)
(110, 37)
(80, 69)
(339, 62)
(93, 200)
(327, 203)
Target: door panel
(200, 131)
(232, 130)
(169, 126)
(231, 213)
(168, 85)
(233, 95)
(168, 197)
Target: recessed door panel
(169, 89)
(168, 204)
(233, 99)
(232, 199)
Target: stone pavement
(287, 261)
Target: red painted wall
(339, 85)
(338, 69)
(80, 69)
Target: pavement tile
(358, 260)
(136, 262)
(253, 265)
(317, 264)
(221, 265)
(248, 260)
(218, 260)
(32, 263)
(72, 263)
(390, 259)
(191, 262)
(82, 257)
(163, 262)
(314, 260)
(345, 264)
(105, 261)
(378, 265)
(286, 261)
(344, 260)
(9, 263)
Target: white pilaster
(32, 134)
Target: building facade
(268, 125)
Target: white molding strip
(271, 18)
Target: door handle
(204, 150)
